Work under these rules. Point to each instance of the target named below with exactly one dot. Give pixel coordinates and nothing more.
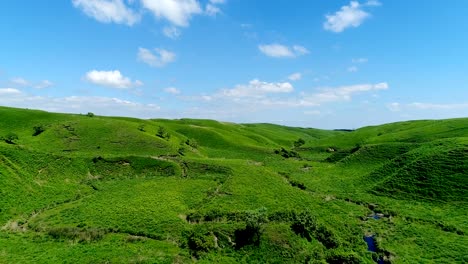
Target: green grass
(109, 190)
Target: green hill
(92, 189)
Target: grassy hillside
(92, 189)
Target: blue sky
(321, 63)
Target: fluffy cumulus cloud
(108, 11)
(177, 12)
(281, 51)
(257, 88)
(112, 79)
(156, 58)
(351, 15)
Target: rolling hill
(93, 189)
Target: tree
(90, 114)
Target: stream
(370, 239)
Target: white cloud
(159, 58)
(177, 12)
(353, 69)
(256, 88)
(171, 32)
(172, 90)
(108, 11)
(295, 76)
(351, 15)
(113, 79)
(44, 84)
(217, 1)
(9, 92)
(360, 60)
(20, 81)
(281, 51)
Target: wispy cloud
(79, 104)
(282, 51)
(20, 81)
(9, 92)
(108, 11)
(257, 88)
(359, 60)
(171, 32)
(158, 58)
(44, 84)
(172, 90)
(295, 76)
(112, 79)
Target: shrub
(141, 128)
(192, 143)
(287, 153)
(304, 224)
(10, 138)
(38, 130)
(253, 230)
(162, 133)
(90, 114)
(200, 240)
(75, 233)
(298, 143)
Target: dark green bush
(298, 143)
(38, 130)
(10, 138)
(78, 234)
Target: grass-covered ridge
(92, 189)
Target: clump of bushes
(253, 230)
(10, 138)
(77, 234)
(298, 143)
(200, 240)
(305, 225)
(192, 143)
(287, 153)
(162, 133)
(90, 114)
(38, 130)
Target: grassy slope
(106, 189)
